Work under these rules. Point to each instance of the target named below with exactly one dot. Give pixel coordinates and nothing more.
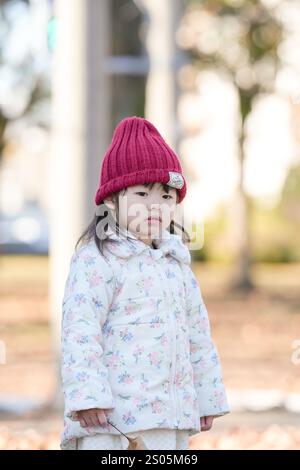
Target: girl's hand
(206, 422)
(92, 417)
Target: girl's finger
(205, 428)
(205, 423)
(82, 422)
(209, 420)
(202, 422)
(88, 420)
(102, 418)
(94, 419)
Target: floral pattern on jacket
(136, 339)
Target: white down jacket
(136, 339)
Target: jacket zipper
(173, 347)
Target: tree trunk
(240, 229)
(81, 121)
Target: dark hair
(103, 218)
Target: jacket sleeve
(204, 356)
(87, 297)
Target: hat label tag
(176, 180)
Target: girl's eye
(166, 196)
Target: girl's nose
(154, 206)
(154, 209)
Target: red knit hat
(138, 154)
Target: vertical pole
(81, 117)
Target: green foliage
(274, 232)
(291, 189)
(214, 246)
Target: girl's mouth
(154, 219)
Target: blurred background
(221, 82)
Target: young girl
(137, 354)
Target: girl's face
(147, 210)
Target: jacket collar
(126, 244)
